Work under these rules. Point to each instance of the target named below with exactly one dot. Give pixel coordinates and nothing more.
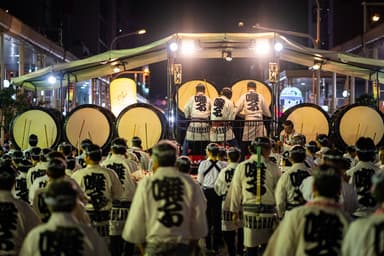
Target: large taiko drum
(188, 89)
(142, 120)
(354, 121)
(90, 122)
(308, 119)
(43, 122)
(239, 88)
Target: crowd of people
(286, 197)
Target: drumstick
(46, 135)
(146, 136)
(25, 125)
(374, 136)
(52, 131)
(301, 129)
(81, 128)
(134, 130)
(29, 127)
(89, 135)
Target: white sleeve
(281, 195)
(199, 226)
(235, 193)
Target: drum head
(40, 122)
(89, 122)
(355, 121)
(308, 119)
(144, 121)
(240, 88)
(188, 89)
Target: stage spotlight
(278, 47)
(51, 79)
(188, 46)
(173, 47)
(262, 47)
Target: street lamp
(138, 32)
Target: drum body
(43, 122)
(354, 121)
(308, 119)
(90, 122)
(142, 120)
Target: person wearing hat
(365, 235)
(81, 155)
(287, 193)
(63, 234)
(316, 228)
(198, 110)
(361, 174)
(101, 185)
(252, 191)
(254, 107)
(120, 208)
(167, 214)
(222, 111)
(230, 229)
(16, 217)
(207, 173)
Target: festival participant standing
(137, 149)
(32, 141)
(222, 111)
(207, 174)
(120, 208)
(167, 211)
(230, 229)
(316, 228)
(20, 189)
(198, 109)
(254, 107)
(361, 174)
(101, 185)
(287, 134)
(252, 190)
(63, 234)
(39, 167)
(287, 193)
(365, 235)
(16, 217)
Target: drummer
(198, 109)
(222, 110)
(255, 107)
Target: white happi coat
(360, 178)
(38, 183)
(247, 181)
(365, 237)
(198, 108)
(317, 228)
(254, 107)
(287, 193)
(16, 219)
(168, 207)
(101, 185)
(38, 170)
(222, 109)
(63, 235)
(142, 156)
(120, 165)
(20, 190)
(222, 185)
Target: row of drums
(150, 123)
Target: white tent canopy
(210, 45)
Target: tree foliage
(12, 102)
(366, 99)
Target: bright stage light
(278, 47)
(173, 47)
(51, 79)
(262, 47)
(188, 47)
